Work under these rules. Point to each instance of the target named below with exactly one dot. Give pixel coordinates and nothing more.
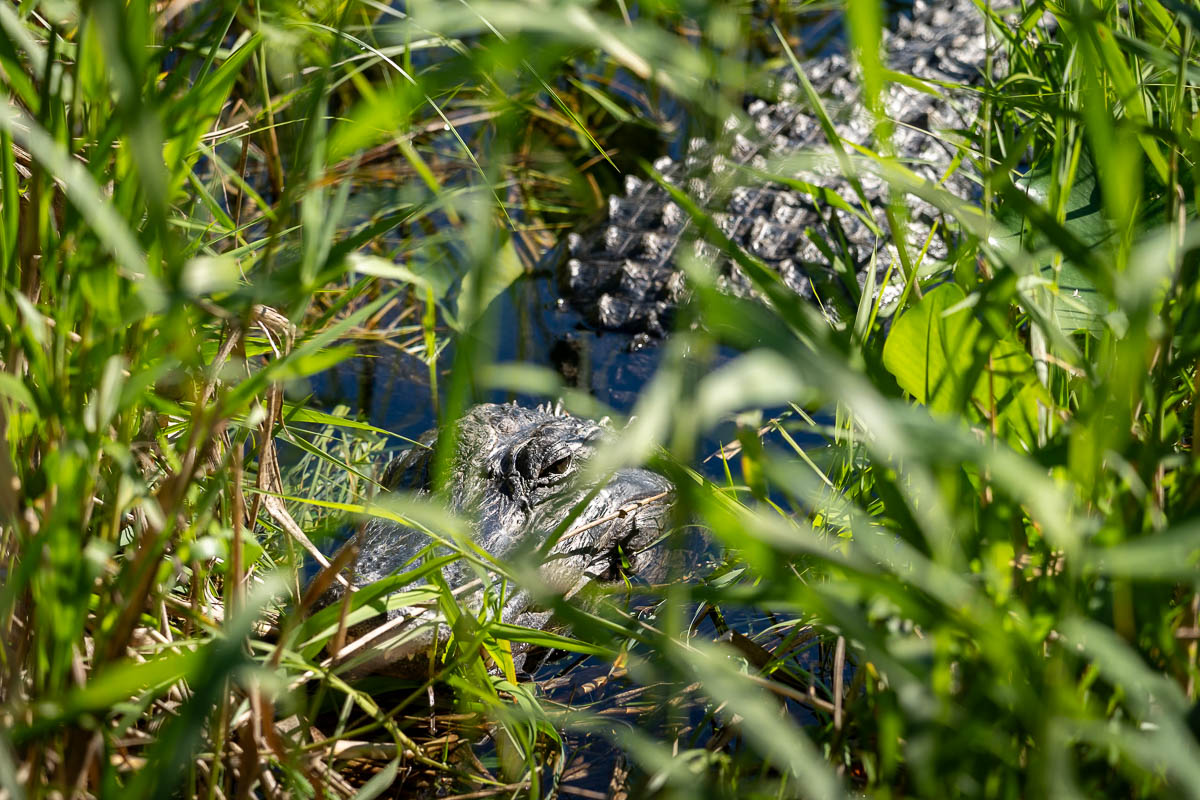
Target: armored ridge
(517, 474)
(623, 276)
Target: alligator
(518, 475)
(624, 274)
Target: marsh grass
(982, 582)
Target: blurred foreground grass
(995, 549)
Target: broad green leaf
(942, 355)
(865, 20)
(119, 681)
(371, 599)
(317, 361)
(1076, 303)
(396, 601)
(81, 189)
(435, 281)
(775, 736)
(14, 389)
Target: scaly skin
(624, 275)
(516, 476)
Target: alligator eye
(559, 467)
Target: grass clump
(179, 252)
(960, 540)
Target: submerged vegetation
(958, 539)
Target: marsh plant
(969, 521)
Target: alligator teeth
(574, 243)
(632, 184)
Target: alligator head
(519, 475)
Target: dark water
(392, 389)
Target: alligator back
(624, 274)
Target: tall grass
(981, 582)
(178, 256)
(1010, 560)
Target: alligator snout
(641, 485)
(644, 519)
(620, 534)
